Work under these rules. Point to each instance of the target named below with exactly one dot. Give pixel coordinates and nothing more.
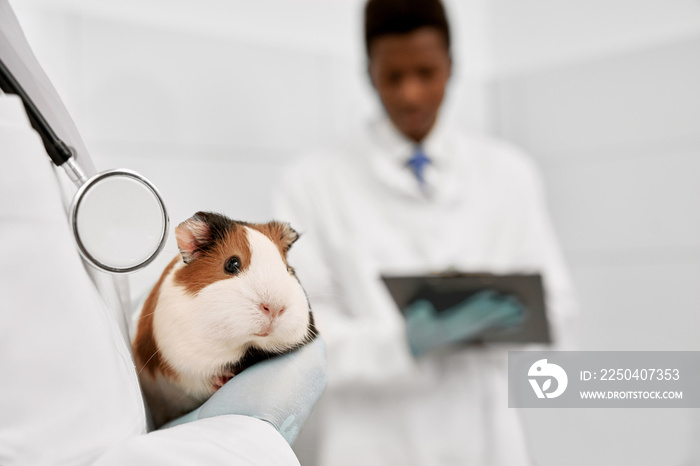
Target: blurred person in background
(411, 193)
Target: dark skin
(410, 73)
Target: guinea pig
(226, 302)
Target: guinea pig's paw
(220, 380)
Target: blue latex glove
(427, 329)
(282, 391)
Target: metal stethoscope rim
(75, 207)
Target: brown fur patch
(146, 352)
(281, 234)
(209, 267)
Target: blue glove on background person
(426, 328)
(282, 391)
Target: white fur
(197, 335)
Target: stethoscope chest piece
(119, 221)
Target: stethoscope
(117, 217)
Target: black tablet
(447, 290)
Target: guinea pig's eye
(233, 265)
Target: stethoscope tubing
(62, 155)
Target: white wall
(211, 99)
(605, 95)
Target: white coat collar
(398, 146)
(390, 151)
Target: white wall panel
(635, 206)
(312, 25)
(146, 84)
(530, 34)
(644, 97)
(639, 307)
(349, 99)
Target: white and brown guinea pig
(227, 301)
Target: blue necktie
(418, 162)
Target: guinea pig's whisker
(149, 360)
(325, 295)
(183, 396)
(146, 315)
(160, 348)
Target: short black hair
(384, 17)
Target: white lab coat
(361, 214)
(69, 393)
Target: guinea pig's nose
(272, 311)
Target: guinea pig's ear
(192, 235)
(285, 234)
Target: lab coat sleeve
(340, 284)
(221, 440)
(69, 386)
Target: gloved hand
(282, 391)
(427, 329)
